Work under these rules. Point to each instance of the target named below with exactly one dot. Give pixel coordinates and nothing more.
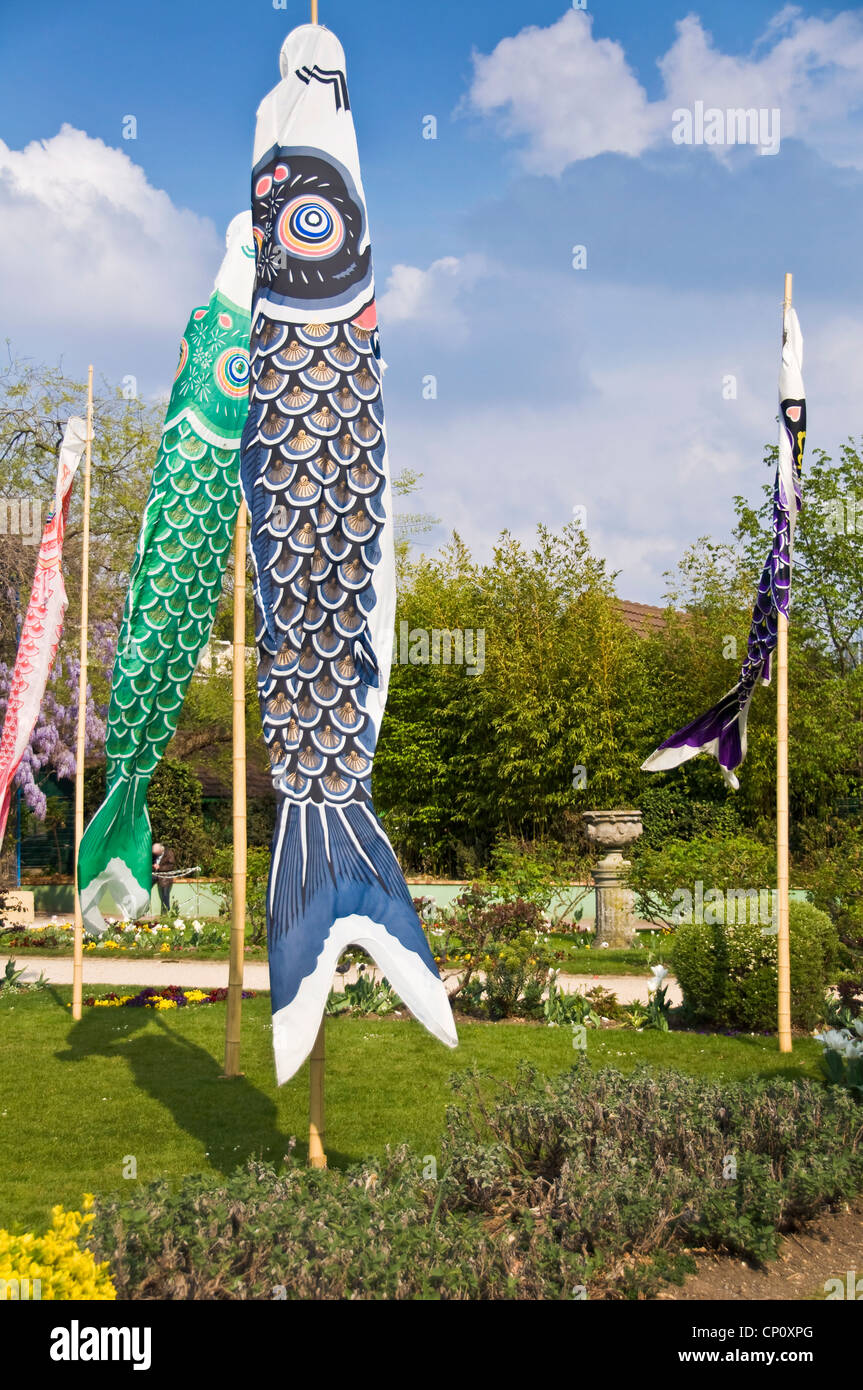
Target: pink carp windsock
(722, 730)
(43, 624)
(315, 478)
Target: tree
(467, 759)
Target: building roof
(643, 618)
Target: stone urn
(611, 832)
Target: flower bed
(170, 997)
(175, 937)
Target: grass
(77, 1100)
(579, 959)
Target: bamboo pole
(78, 948)
(317, 1156)
(782, 858)
(238, 913)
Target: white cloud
(573, 96)
(430, 297)
(92, 254)
(648, 445)
(570, 96)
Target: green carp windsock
(176, 580)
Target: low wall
(204, 898)
(193, 899)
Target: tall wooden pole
(317, 1156)
(238, 914)
(782, 861)
(78, 949)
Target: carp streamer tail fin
(335, 882)
(720, 732)
(116, 855)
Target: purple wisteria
(53, 743)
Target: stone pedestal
(612, 831)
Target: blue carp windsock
(176, 580)
(722, 730)
(316, 481)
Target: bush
(56, 1260)
(670, 813)
(505, 940)
(836, 884)
(174, 802)
(728, 973)
(723, 862)
(310, 1233)
(592, 1178)
(258, 860)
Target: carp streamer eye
(311, 228)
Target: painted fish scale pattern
(170, 608)
(314, 450)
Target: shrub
(258, 860)
(504, 940)
(721, 862)
(174, 801)
(366, 996)
(592, 1178)
(670, 813)
(301, 1234)
(836, 884)
(63, 1269)
(517, 972)
(728, 973)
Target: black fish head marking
(310, 230)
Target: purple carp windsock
(722, 730)
(315, 477)
(43, 623)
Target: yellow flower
(63, 1269)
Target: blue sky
(557, 387)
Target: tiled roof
(643, 618)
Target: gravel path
(213, 973)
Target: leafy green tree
(466, 759)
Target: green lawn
(590, 960)
(77, 1099)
